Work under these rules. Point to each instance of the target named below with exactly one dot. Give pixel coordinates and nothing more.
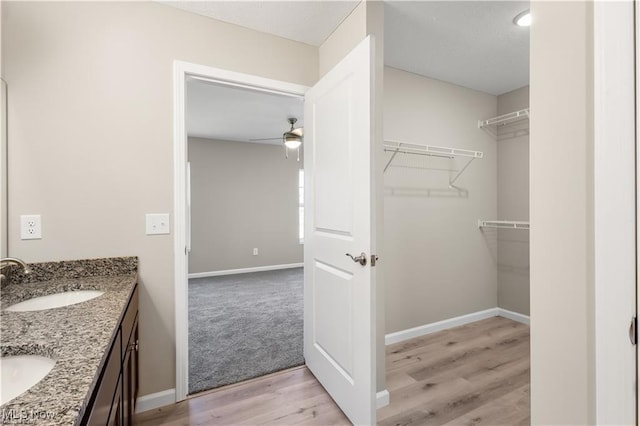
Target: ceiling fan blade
(299, 131)
(267, 139)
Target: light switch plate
(30, 227)
(158, 223)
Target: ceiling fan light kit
(287, 148)
(292, 139)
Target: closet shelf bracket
(503, 224)
(397, 147)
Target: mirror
(3, 172)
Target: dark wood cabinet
(130, 377)
(115, 417)
(113, 400)
(108, 389)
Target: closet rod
(503, 224)
(403, 151)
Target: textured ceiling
(469, 43)
(230, 113)
(309, 22)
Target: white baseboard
(245, 270)
(155, 400)
(382, 399)
(411, 333)
(514, 316)
(400, 336)
(168, 397)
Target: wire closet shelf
(491, 124)
(503, 224)
(409, 148)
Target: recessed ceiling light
(523, 19)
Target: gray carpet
(244, 326)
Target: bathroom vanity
(114, 397)
(94, 343)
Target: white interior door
(339, 303)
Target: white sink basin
(55, 300)
(20, 372)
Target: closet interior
(456, 209)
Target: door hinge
(633, 331)
(374, 259)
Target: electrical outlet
(255, 251)
(30, 227)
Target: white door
(339, 303)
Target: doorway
(339, 302)
(245, 227)
(198, 271)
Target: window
(301, 205)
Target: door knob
(362, 259)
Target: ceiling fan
(292, 138)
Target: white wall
(615, 211)
(438, 263)
(344, 38)
(3, 159)
(243, 195)
(513, 204)
(91, 134)
(562, 320)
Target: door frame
(181, 72)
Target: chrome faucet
(8, 261)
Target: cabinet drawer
(107, 386)
(129, 320)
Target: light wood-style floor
(292, 397)
(476, 374)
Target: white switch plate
(255, 251)
(158, 224)
(30, 227)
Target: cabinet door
(134, 368)
(130, 377)
(109, 390)
(115, 417)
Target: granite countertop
(76, 336)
